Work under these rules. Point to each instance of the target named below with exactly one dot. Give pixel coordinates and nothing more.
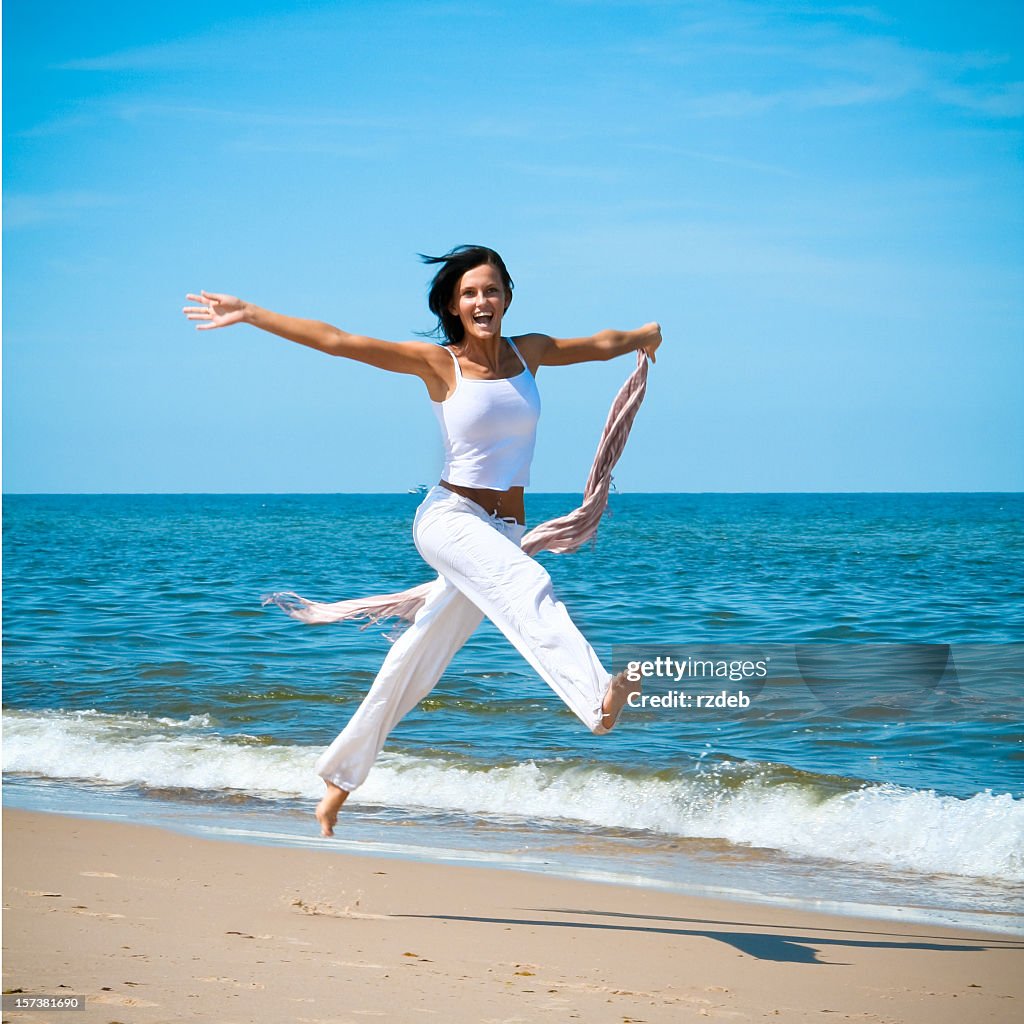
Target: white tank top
(489, 428)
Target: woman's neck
(489, 353)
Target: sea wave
(748, 804)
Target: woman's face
(480, 302)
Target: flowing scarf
(561, 536)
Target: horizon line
(391, 494)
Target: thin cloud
(312, 148)
(25, 211)
(174, 56)
(570, 172)
(105, 111)
(719, 158)
(236, 43)
(58, 126)
(295, 121)
(1003, 102)
(255, 118)
(826, 64)
(747, 165)
(871, 14)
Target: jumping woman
(483, 390)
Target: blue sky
(823, 204)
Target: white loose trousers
(482, 571)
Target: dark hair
(454, 264)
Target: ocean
(876, 766)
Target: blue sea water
(143, 679)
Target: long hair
(453, 265)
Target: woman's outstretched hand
(216, 311)
(650, 339)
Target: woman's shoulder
(532, 346)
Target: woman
(469, 526)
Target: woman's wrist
(637, 338)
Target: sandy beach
(154, 926)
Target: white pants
(483, 571)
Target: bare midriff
(505, 504)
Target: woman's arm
(414, 357)
(547, 351)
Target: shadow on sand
(757, 942)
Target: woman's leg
(481, 556)
(410, 671)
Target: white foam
(160, 753)
(883, 825)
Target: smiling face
(480, 301)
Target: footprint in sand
(255, 985)
(324, 909)
(114, 1000)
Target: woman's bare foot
(620, 689)
(327, 809)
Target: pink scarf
(562, 535)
